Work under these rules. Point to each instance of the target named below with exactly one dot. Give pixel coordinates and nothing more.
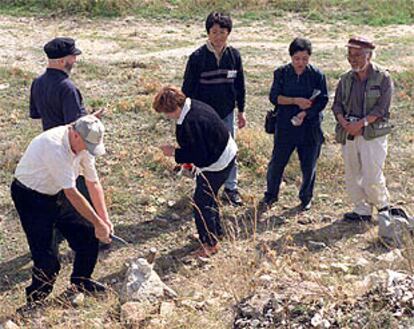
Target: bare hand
(241, 120)
(168, 150)
(301, 115)
(303, 103)
(102, 232)
(110, 225)
(99, 113)
(354, 129)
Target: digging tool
(119, 239)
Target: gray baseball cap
(92, 131)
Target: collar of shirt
(56, 71)
(292, 72)
(66, 144)
(211, 48)
(184, 111)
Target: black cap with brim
(61, 47)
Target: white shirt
(49, 165)
(186, 108)
(225, 158)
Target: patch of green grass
(371, 12)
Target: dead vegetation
(307, 259)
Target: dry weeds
(123, 64)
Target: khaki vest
(372, 90)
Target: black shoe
(232, 197)
(353, 216)
(88, 285)
(29, 308)
(306, 206)
(38, 294)
(265, 204)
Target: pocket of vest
(374, 93)
(377, 129)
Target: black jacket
(202, 136)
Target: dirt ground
(123, 62)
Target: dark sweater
(212, 84)
(202, 136)
(55, 99)
(287, 83)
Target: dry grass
(150, 205)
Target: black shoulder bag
(271, 117)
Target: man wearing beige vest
(361, 108)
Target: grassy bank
(371, 12)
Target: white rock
(78, 300)
(316, 245)
(395, 277)
(167, 309)
(391, 256)
(374, 279)
(9, 325)
(361, 263)
(316, 321)
(265, 278)
(142, 283)
(340, 267)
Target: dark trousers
(206, 210)
(308, 156)
(40, 216)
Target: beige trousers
(364, 177)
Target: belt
(21, 185)
(28, 189)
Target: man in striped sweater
(214, 75)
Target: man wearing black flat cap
(56, 101)
(361, 107)
(53, 97)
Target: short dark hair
(168, 99)
(300, 44)
(222, 19)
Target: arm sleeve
(34, 113)
(72, 104)
(320, 101)
(277, 86)
(88, 167)
(190, 81)
(382, 106)
(239, 85)
(337, 107)
(185, 153)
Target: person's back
(204, 130)
(54, 98)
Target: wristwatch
(366, 123)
